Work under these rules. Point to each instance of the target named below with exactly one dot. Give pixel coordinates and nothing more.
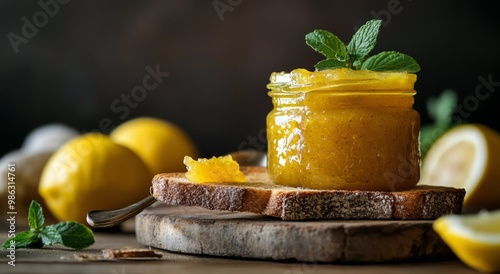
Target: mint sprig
(440, 110)
(356, 54)
(69, 234)
(327, 44)
(363, 42)
(390, 60)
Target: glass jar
(343, 129)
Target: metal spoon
(109, 218)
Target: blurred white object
(28, 169)
(29, 162)
(48, 138)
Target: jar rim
(342, 80)
(391, 92)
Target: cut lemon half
(475, 239)
(467, 156)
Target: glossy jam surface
(221, 169)
(343, 129)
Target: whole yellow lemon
(160, 144)
(92, 172)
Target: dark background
(91, 52)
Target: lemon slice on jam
(475, 239)
(467, 156)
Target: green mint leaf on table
(363, 42)
(356, 54)
(35, 216)
(391, 61)
(50, 236)
(74, 235)
(69, 234)
(22, 239)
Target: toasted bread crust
(261, 195)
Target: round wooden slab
(246, 235)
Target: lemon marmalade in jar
(343, 129)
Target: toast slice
(261, 195)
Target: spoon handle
(109, 218)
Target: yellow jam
(215, 170)
(343, 129)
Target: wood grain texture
(196, 230)
(56, 260)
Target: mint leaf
(74, 235)
(50, 236)
(355, 54)
(69, 234)
(35, 216)
(363, 41)
(327, 44)
(440, 109)
(22, 239)
(329, 64)
(391, 61)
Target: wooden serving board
(197, 230)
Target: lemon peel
(162, 145)
(475, 239)
(467, 156)
(92, 172)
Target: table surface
(57, 259)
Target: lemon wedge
(475, 239)
(467, 156)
